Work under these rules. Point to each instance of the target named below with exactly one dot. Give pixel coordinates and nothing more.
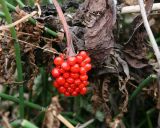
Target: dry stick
(63, 120)
(18, 21)
(86, 124)
(136, 8)
(70, 48)
(6, 121)
(21, 41)
(39, 9)
(149, 31)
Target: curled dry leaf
(50, 121)
(98, 18)
(135, 52)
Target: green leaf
(100, 116)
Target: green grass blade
(142, 85)
(26, 103)
(20, 3)
(18, 56)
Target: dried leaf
(98, 19)
(50, 121)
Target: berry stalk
(70, 48)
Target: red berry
(55, 84)
(81, 86)
(70, 80)
(66, 85)
(72, 86)
(79, 59)
(58, 61)
(65, 66)
(75, 68)
(74, 93)
(69, 89)
(62, 70)
(62, 56)
(77, 82)
(83, 90)
(55, 72)
(82, 64)
(77, 90)
(83, 54)
(88, 67)
(66, 93)
(85, 83)
(74, 75)
(60, 80)
(66, 75)
(87, 60)
(82, 71)
(84, 77)
(71, 60)
(61, 89)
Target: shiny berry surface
(87, 60)
(70, 80)
(84, 77)
(66, 75)
(77, 82)
(83, 90)
(75, 68)
(71, 60)
(65, 66)
(82, 71)
(58, 61)
(60, 80)
(83, 54)
(74, 93)
(88, 67)
(55, 72)
(74, 75)
(55, 84)
(62, 89)
(79, 59)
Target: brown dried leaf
(50, 121)
(136, 50)
(98, 19)
(136, 63)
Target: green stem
(20, 3)
(26, 103)
(10, 6)
(33, 21)
(142, 85)
(148, 113)
(18, 56)
(23, 123)
(31, 3)
(2, 14)
(141, 123)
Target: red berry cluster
(71, 74)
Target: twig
(6, 121)
(63, 120)
(21, 41)
(39, 8)
(149, 31)
(136, 8)
(18, 21)
(86, 124)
